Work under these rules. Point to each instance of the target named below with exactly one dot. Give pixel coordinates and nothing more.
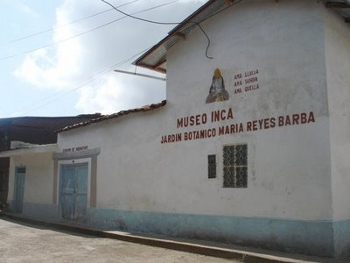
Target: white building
(250, 148)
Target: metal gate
(19, 189)
(73, 191)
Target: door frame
(89, 156)
(18, 197)
(75, 193)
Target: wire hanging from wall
(162, 23)
(230, 3)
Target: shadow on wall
(4, 181)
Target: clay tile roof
(114, 115)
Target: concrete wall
(289, 166)
(338, 79)
(37, 200)
(149, 186)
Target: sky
(57, 58)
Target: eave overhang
(342, 7)
(156, 57)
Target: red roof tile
(115, 115)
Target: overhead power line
(50, 99)
(67, 24)
(162, 23)
(83, 33)
(175, 23)
(103, 72)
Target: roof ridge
(144, 108)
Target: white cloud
(56, 70)
(102, 98)
(76, 60)
(115, 94)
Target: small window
(211, 166)
(21, 170)
(236, 166)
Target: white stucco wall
(338, 68)
(38, 177)
(289, 166)
(127, 165)
(297, 172)
(298, 51)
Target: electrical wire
(176, 23)
(162, 23)
(67, 24)
(85, 32)
(79, 85)
(103, 72)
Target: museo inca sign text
(192, 124)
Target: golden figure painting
(217, 90)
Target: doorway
(73, 191)
(19, 189)
(4, 181)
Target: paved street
(27, 243)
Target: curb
(213, 251)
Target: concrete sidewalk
(207, 248)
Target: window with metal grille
(236, 166)
(211, 166)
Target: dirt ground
(28, 243)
